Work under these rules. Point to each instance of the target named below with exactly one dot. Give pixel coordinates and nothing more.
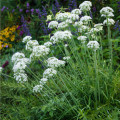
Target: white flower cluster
(76, 11)
(107, 12)
(93, 45)
(83, 28)
(17, 56)
(62, 25)
(62, 16)
(66, 58)
(20, 77)
(30, 44)
(78, 24)
(49, 72)
(39, 51)
(85, 6)
(26, 39)
(85, 19)
(82, 39)
(39, 87)
(94, 30)
(99, 26)
(109, 21)
(53, 62)
(1, 69)
(53, 24)
(47, 44)
(60, 36)
(73, 17)
(20, 63)
(68, 21)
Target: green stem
(110, 51)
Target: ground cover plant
(73, 75)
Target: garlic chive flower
(76, 11)
(37, 88)
(66, 58)
(26, 39)
(43, 81)
(78, 24)
(73, 17)
(85, 6)
(107, 12)
(93, 45)
(82, 39)
(17, 56)
(1, 69)
(62, 25)
(94, 30)
(61, 36)
(40, 51)
(20, 77)
(99, 26)
(19, 67)
(25, 60)
(53, 62)
(83, 28)
(85, 19)
(47, 44)
(30, 44)
(68, 21)
(53, 24)
(62, 16)
(109, 22)
(49, 72)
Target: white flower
(26, 39)
(20, 77)
(83, 28)
(93, 45)
(43, 81)
(1, 69)
(17, 56)
(82, 38)
(109, 22)
(25, 60)
(47, 44)
(39, 51)
(73, 17)
(62, 25)
(76, 11)
(53, 24)
(66, 45)
(61, 36)
(54, 62)
(66, 58)
(107, 12)
(37, 88)
(30, 44)
(19, 66)
(62, 16)
(78, 24)
(108, 15)
(99, 26)
(85, 6)
(85, 19)
(49, 73)
(94, 30)
(68, 21)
